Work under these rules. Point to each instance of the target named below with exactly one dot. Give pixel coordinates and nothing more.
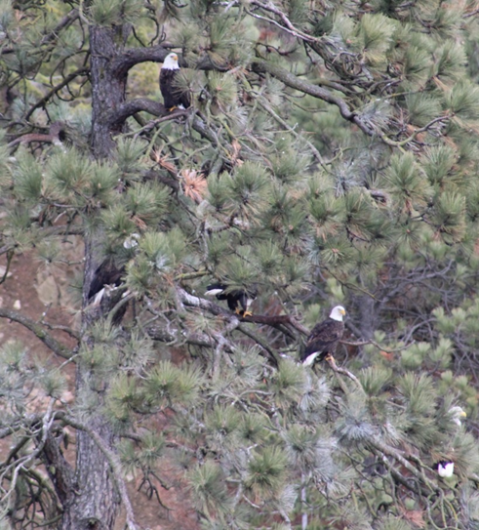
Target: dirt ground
(43, 292)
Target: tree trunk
(108, 85)
(367, 312)
(95, 502)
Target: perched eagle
(105, 289)
(239, 300)
(324, 337)
(173, 96)
(456, 413)
(445, 468)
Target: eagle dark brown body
(238, 300)
(324, 337)
(173, 96)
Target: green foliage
(209, 490)
(406, 186)
(128, 156)
(68, 175)
(266, 471)
(375, 37)
(375, 380)
(167, 384)
(27, 177)
(330, 156)
(106, 13)
(146, 201)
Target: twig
(332, 363)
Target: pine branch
(402, 143)
(57, 347)
(42, 102)
(160, 334)
(289, 79)
(394, 453)
(270, 353)
(286, 25)
(129, 108)
(284, 124)
(196, 301)
(52, 137)
(64, 23)
(156, 175)
(24, 460)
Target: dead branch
(57, 347)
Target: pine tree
(329, 156)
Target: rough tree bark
(94, 502)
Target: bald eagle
(106, 274)
(239, 300)
(324, 337)
(173, 96)
(456, 413)
(445, 468)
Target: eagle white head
(456, 414)
(445, 469)
(171, 62)
(337, 313)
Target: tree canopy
(329, 156)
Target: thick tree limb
(129, 108)
(57, 347)
(275, 321)
(289, 79)
(157, 54)
(133, 56)
(122, 113)
(52, 137)
(168, 181)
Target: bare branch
(57, 347)
(55, 89)
(289, 79)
